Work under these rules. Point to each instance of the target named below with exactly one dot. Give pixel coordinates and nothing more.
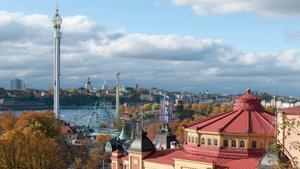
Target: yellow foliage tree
(31, 142)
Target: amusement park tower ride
(117, 91)
(57, 21)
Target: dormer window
(202, 140)
(215, 142)
(209, 141)
(242, 143)
(253, 144)
(225, 143)
(233, 143)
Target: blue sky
(246, 31)
(257, 34)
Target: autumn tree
(31, 143)
(155, 106)
(102, 139)
(152, 130)
(187, 106)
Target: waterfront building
(88, 85)
(289, 133)
(235, 140)
(105, 86)
(17, 84)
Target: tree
(226, 107)
(203, 107)
(271, 109)
(155, 106)
(102, 139)
(96, 156)
(8, 121)
(187, 106)
(31, 143)
(147, 107)
(151, 130)
(195, 106)
(180, 131)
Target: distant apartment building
(105, 86)
(17, 84)
(280, 104)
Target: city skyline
(220, 47)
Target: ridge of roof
(238, 113)
(205, 119)
(221, 117)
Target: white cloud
(169, 61)
(273, 8)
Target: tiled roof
(66, 129)
(291, 111)
(168, 156)
(248, 116)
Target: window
(215, 142)
(202, 140)
(209, 141)
(225, 143)
(242, 143)
(253, 144)
(233, 143)
(196, 140)
(189, 139)
(192, 139)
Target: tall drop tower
(117, 92)
(57, 21)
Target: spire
(123, 135)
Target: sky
(185, 45)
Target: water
(81, 116)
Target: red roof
(66, 129)
(168, 156)
(291, 111)
(248, 116)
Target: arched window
(225, 143)
(242, 143)
(209, 141)
(202, 140)
(253, 144)
(233, 143)
(215, 142)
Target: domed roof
(249, 101)
(248, 116)
(124, 134)
(142, 144)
